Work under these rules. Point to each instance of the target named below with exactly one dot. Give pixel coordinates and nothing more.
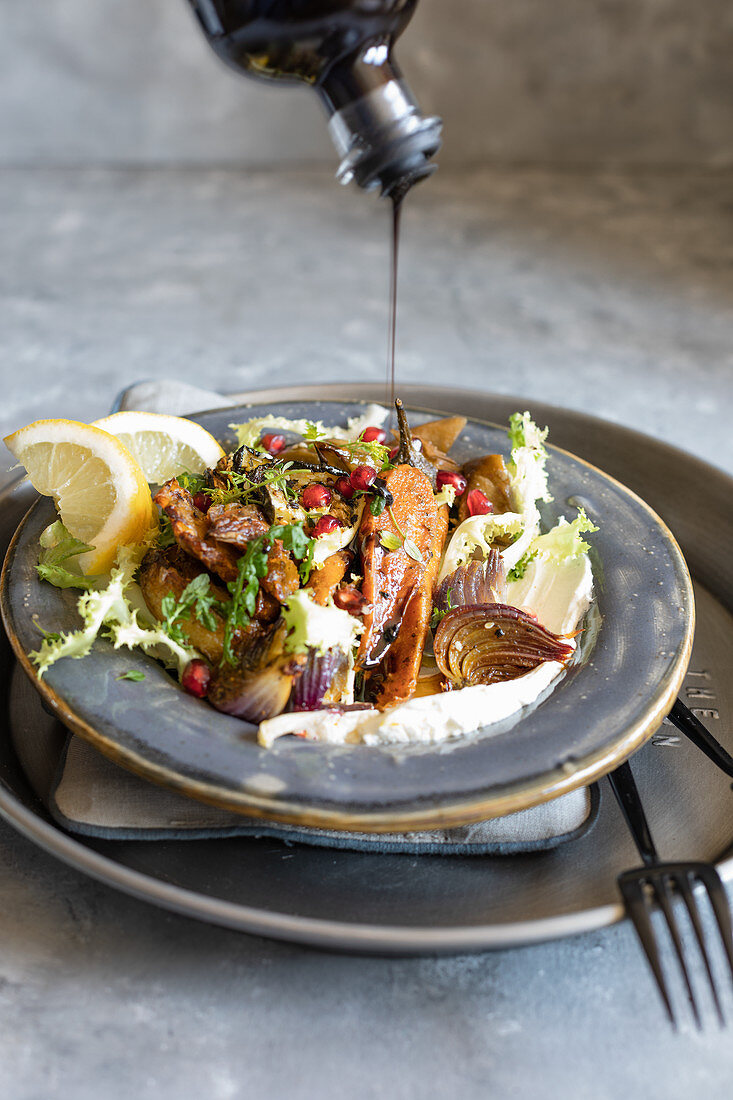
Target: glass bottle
(344, 49)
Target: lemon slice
(163, 445)
(98, 487)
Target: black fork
(657, 882)
(688, 723)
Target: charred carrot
(401, 551)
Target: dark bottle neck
(381, 135)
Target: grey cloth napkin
(88, 794)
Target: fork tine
(682, 883)
(633, 894)
(659, 886)
(719, 901)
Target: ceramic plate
(599, 713)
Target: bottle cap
(384, 140)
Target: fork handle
(627, 794)
(689, 724)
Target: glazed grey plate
(368, 902)
(607, 705)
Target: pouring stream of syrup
(390, 388)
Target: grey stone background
(567, 82)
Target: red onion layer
(319, 673)
(478, 582)
(488, 643)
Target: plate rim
(515, 797)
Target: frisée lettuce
(112, 608)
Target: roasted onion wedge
(479, 582)
(260, 686)
(321, 680)
(487, 643)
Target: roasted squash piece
(281, 579)
(324, 581)
(441, 433)
(167, 572)
(489, 474)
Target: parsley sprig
(252, 567)
(196, 600)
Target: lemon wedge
(163, 445)
(99, 489)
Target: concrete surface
(606, 293)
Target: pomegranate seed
(478, 503)
(273, 443)
(325, 526)
(202, 501)
(196, 678)
(393, 453)
(344, 486)
(373, 435)
(350, 599)
(362, 477)
(452, 477)
(316, 496)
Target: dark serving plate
(601, 711)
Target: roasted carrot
(398, 583)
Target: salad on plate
(340, 584)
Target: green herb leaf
(197, 600)
(376, 505)
(412, 550)
(59, 546)
(252, 566)
(392, 517)
(436, 618)
(60, 577)
(165, 536)
(132, 674)
(437, 615)
(312, 431)
(520, 568)
(390, 541)
(49, 635)
(193, 482)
